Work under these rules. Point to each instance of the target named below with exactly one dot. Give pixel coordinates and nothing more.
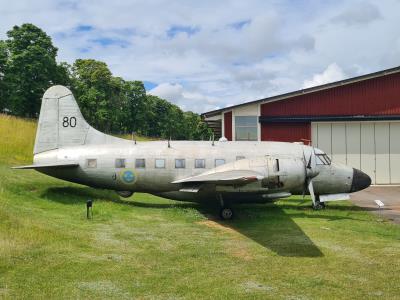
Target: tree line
(28, 67)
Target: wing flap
(60, 164)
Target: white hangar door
(372, 147)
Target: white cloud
(186, 99)
(331, 74)
(221, 52)
(360, 13)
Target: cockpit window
(323, 159)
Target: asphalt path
(389, 195)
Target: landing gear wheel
(319, 205)
(226, 213)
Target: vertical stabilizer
(60, 121)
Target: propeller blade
(309, 162)
(311, 190)
(305, 174)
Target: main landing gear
(226, 212)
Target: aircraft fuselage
(151, 167)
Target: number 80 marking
(69, 122)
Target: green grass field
(151, 248)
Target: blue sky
(204, 55)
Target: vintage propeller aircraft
(67, 147)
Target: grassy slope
(153, 248)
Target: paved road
(389, 195)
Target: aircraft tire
(226, 213)
(319, 205)
(124, 194)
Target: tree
(138, 107)
(92, 85)
(31, 68)
(3, 64)
(196, 129)
(28, 67)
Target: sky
(206, 55)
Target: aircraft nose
(360, 181)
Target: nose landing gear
(318, 204)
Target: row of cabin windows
(140, 163)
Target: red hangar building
(355, 121)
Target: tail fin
(61, 123)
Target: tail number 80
(69, 122)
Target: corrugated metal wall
(376, 96)
(286, 132)
(228, 125)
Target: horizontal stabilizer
(50, 165)
(224, 178)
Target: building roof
(307, 91)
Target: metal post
(89, 207)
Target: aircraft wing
(239, 177)
(49, 165)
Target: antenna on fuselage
(169, 142)
(213, 140)
(133, 137)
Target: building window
(120, 163)
(91, 163)
(160, 163)
(140, 163)
(246, 128)
(219, 161)
(199, 163)
(179, 163)
(239, 157)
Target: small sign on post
(89, 207)
(380, 205)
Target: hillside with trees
(28, 66)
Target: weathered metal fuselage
(286, 177)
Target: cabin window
(239, 157)
(140, 163)
(322, 159)
(219, 161)
(199, 163)
(91, 163)
(246, 128)
(120, 163)
(160, 163)
(179, 163)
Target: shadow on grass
(266, 224)
(77, 195)
(269, 226)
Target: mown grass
(151, 248)
(17, 139)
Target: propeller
(309, 174)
